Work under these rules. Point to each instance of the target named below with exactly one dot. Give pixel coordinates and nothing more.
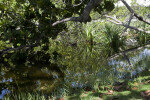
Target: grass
(137, 86)
(121, 95)
(25, 96)
(130, 94)
(85, 95)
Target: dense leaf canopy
(29, 23)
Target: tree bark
(135, 14)
(85, 17)
(118, 22)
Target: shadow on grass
(76, 95)
(125, 95)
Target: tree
(29, 23)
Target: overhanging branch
(66, 20)
(135, 14)
(129, 50)
(6, 51)
(118, 22)
(85, 17)
(131, 16)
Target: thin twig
(116, 21)
(17, 48)
(131, 16)
(133, 12)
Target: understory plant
(113, 41)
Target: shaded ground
(137, 89)
(134, 91)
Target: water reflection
(139, 62)
(89, 68)
(84, 68)
(4, 92)
(33, 78)
(6, 80)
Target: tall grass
(113, 41)
(26, 96)
(143, 38)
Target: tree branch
(135, 14)
(66, 20)
(129, 50)
(78, 4)
(118, 22)
(14, 49)
(138, 29)
(131, 16)
(6, 51)
(85, 17)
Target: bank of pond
(79, 75)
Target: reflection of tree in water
(139, 62)
(85, 68)
(33, 78)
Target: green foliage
(24, 22)
(107, 5)
(143, 38)
(4, 45)
(26, 96)
(112, 38)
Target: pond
(75, 68)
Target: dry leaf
(93, 91)
(100, 99)
(61, 99)
(147, 92)
(134, 88)
(136, 84)
(83, 95)
(110, 92)
(85, 92)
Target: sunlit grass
(25, 96)
(86, 95)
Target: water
(76, 68)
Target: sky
(141, 2)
